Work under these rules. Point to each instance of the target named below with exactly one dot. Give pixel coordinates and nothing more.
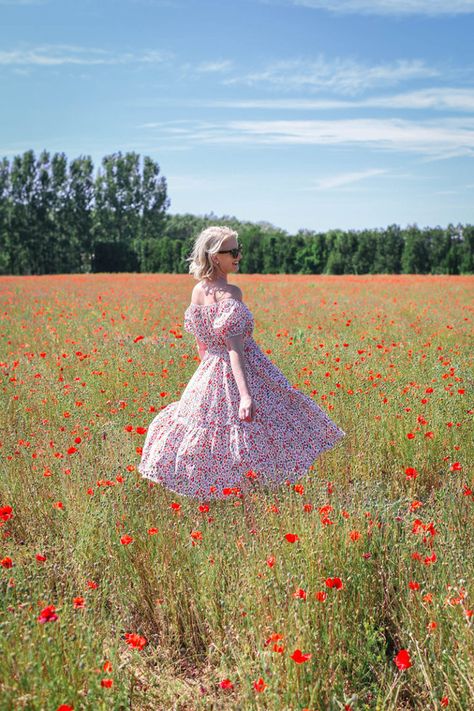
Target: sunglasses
(234, 252)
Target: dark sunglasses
(234, 252)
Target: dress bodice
(213, 323)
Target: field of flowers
(353, 589)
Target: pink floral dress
(198, 446)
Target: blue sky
(313, 114)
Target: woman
(239, 423)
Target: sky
(307, 114)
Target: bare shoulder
(196, 293)
(236, 292)
(206, 292)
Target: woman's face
(227, 263)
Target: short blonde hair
(207, 243)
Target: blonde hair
(207, 243)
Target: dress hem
(245, 485)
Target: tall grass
(161, 605)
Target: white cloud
(337, 181)
(444, 138)
(56, 55)
(440, 99)
(345, 76)
(214, 67)
(392, 7)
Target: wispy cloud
(392, 7)
(214, 67)
(435, 139)
(56, 55)
(439, 99)
(344, 179)
(344, 76)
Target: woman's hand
(246, 409)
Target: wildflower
(275, 637)
(299, 657)
(135, 640)
(402, 659)
(48, 614)
(300, 593)
(6, 513)
(259, 685)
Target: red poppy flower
(48, 614)
(299, 657)
(292, 537)
(402, 659)
(300, 593)
(135, 640)
(259, 685)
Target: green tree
(23, 234)
(416, 252)
(363, 259)
(466, 265)
(79, 211)
(6, 245)
(389, 249)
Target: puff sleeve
(233, 319)
(188, 322)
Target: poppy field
(352, 589)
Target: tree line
(60, 217)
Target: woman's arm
(235, 346)
(201, 348)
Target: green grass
(209, 605)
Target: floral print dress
(198, 446)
